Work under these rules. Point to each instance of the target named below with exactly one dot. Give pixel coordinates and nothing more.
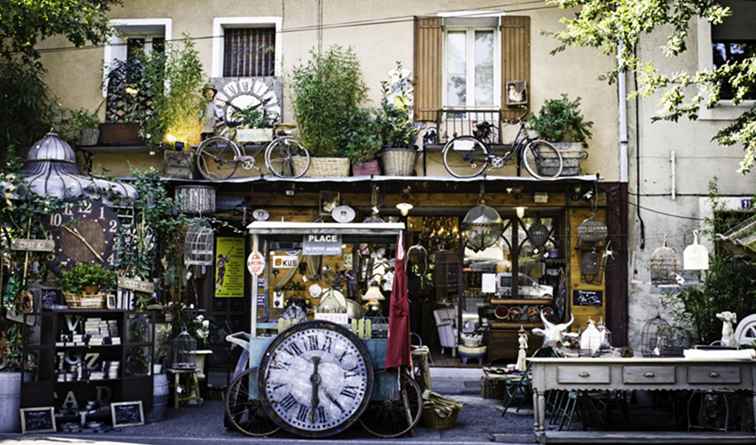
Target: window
(246, 46)
(734, 40)
(249, 52)
(471, 57)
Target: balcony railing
(483, 124)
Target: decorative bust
(728, 334)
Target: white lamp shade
(696, 256)
(373, 294)
(404, 208)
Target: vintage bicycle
(218, 158)
(540, 158)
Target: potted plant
(87, 278)
(127, 103)
(561, 122)
(328, 90)
(397, 130)
(80, 127)
(255, 125)
(11, 347)
(364, 143)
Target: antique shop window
(735, 39)
(249, 52)
(471, 55)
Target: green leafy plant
(364, 136)
(328, 89)
(394, 118)
(84, 275)
(254, 117)
(561, 120)
(11, 346)
(71, 122)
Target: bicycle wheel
(245, 414)
(474, 155)
(542, 160)
(401, 410)
(217, 158)
(280, 155)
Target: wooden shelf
(118, 149)
(521, 301)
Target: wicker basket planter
(84, 301)
(320, 167)
(116, 133)
(369, 168)
(572, 154)
(399, 161)
(89, 136)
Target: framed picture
(112, 301)
(127, 413)
(38, 420)
(328, 202)
(517, 92)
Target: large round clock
(315, 379)
(239, 94)
(84, 231)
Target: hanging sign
(229, 267)
(33, 245)
(587, 297)
(136, 285)
(256, 263)
(286, 261)
(321, 244)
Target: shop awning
(744, 234)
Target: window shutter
(428, 66)
(515, 60)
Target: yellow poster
(229, 267)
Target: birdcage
(198, 243)
(538, 234)
(183, 346)
(661, 339)
(664, 265)
(592, 231)
(482, 227)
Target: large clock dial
(242, 93)
(316, 379)
(84, 232)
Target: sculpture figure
(728, 334)
(522, 354)
(553, 333)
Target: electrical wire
(642, 224)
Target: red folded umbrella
(398, 349)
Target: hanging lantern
(538, 234)
(482, 227)
(183, 346)
(592, 231)
(696, 256)
(664, 265)
(195, 199)
(589, 266)
(198, 243)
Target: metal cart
(394, 407)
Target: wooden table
(639, 374)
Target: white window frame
(725, 110)
(220, 23)
(117, 46)
(470, 49)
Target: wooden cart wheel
(245, 414)
(398, 415)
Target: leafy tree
(611, 24)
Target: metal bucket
(10, 401)
(196, 199)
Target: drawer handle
(713, 374)
(584, 374)
(649, 374)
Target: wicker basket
(84, 301)
(399, 161)
(320, 167)
(572, 154)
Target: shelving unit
(48, 364)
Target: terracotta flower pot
(368, 168)
(89, 290)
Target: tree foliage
(611, 24)
(24, 23)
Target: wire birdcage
(664, 265)
(538, 234)
(182, 347)
(591, 230)
(661, 339)
(482, 227)
(198, 243)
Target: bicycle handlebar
(236, 340)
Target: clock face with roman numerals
(315, 379)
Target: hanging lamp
(696, 256)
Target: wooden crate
(178, 164)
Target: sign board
(229, 267)
(321, 244)
(284, 261)
(33, 245)
(38, 420)
(746, 203)
(136, 285)
(587, 297)
(127, 413)
(256, 263)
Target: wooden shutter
(249, 52)
(515, 60)
(428, 66)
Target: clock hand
(334, 401)
(78, 235)
(315, 380)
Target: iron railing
(483, 124)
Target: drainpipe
(622, 120)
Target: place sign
(127, 413)
(33, 245)
(587, 297)
(136, 285)
(38, 420)
(321, 244)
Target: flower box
(254, 135)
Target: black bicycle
(470, 156)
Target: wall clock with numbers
(84, 231)
(315, 379)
